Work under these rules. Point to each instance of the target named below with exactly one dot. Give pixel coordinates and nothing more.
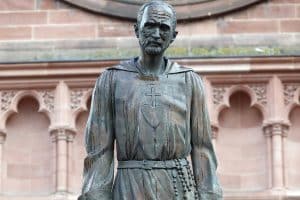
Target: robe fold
(154, 119)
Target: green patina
(125, 53)
(198, 52)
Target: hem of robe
(96, 194)
(210, 195)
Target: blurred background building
(247, 52)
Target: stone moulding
(257, 93)
(9, 100)
(108, 48)
(290, 92)
(189, 9)
(94, 68)
(79, 97)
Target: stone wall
(52, 19)
(52, 52)
(51, 30)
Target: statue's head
(156, 27)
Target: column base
(60, 195)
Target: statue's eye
(164, 27)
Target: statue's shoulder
(175, 68)
(126, 65)
(130, 66)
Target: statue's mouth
(154, 43)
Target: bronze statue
(155, 112)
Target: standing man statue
(155, 112)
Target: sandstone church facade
(52, 51)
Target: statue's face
(155, 30)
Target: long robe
(150, 118)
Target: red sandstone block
(16, 186)
(19, 171)
(237, 15)
(273, 11)
(248, 27)
(23, 18)
(284, 1)
(115, 30)
(71, 17)
(41, 185)
(15, 33)
(47, 4)
(77, 16)
(298, 11)
(196, 28)
(290, 26)
(64, 32)
(17, 4)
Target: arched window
(242, 146)
(293, 146)
(28, 152)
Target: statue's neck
(152, 64)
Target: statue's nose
(156, 33)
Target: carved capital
(214, 131)
(2, 137)
(48, 98)
(218, 94)
(6, 99)
(65, 134)
(260, 91)
(77, 97)
(267, 131)
(276, 128)
(290, 92)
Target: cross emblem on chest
(152, 94)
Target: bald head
(158, 7)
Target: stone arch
(13, 107)
(295, 102)
(243, 164)
(78, 151)
(292, 146)
(28, 152)
(249, 91)
(242, 88)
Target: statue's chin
(153, 50)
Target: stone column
(277, 131)
(60, 139)
(70, 140)
(268, 135)
(2, 139)
(285, 161)
(62, 128)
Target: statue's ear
(174, 36)
(136, 30)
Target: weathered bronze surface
(186, 9)
(154, 111)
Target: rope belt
(178, 164)
(152, 164)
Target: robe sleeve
(203, 156)
(99, 143)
